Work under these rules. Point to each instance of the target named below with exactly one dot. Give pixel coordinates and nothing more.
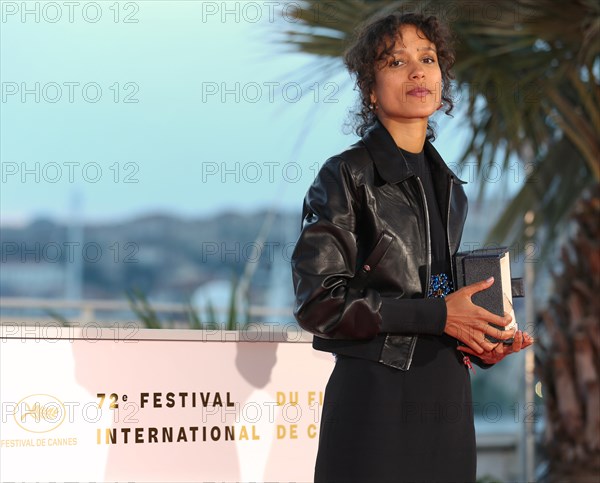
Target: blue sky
(219, 114)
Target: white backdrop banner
(89, 404)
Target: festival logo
(40, 413)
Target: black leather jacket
(361, 266)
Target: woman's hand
(522, 340)
(470, 323)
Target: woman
(372, 274)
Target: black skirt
(383, 424)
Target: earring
(373, 106)
(440, 106)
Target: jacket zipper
(428, 234)
(415, 337)
(466, 359)
(448, 231)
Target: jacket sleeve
(323, 267)
(414, 316)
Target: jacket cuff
(413, 316)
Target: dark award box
(477, 265)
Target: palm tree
(568, 359)
(531, 72)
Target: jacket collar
(388, 159)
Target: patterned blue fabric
(440, 285)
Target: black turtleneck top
(439, 248)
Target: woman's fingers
(522, 340)
(500, 351)
(477, 337)
(479, 343)
(518, 343)
(471, 324)
(477, 348)
(468, 350)
(499, 333)
(527, 340)
(490, 346)
(487, 357)
(491, 318)
(478, 286)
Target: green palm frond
(58, 317)
(211, 315)
(232, 311)
(142, 309)
(193, 317)
(550, 191)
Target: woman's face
(409, 85)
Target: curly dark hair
(373, 44)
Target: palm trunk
(568, 352)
